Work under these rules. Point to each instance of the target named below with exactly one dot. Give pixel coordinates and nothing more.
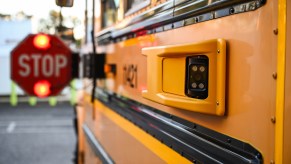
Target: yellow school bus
(187, 81)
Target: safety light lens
(197, 76)
(201, 85)
(202, 68)
(41, 41)
(42, 88)
(194, 85)
(194, 68)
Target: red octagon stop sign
(41, 65)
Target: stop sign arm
(31, 64)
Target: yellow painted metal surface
(90, 157)
(173, 73)
(287, 103)
(250, 62)
(81, 138)
(125, 142)
(280, 94)
(253, 55)
(166, 69)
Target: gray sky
(40, 8)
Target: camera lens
(202, 69)
(194, 68)
(194, 85)
(201, 85)
(197, 77)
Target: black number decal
(130, 75)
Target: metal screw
(275, 31)
(228, 141)
(243, 7)
(273, 119)
(252, 6)
(196, 20)
(274, 75)
(231, 11)
(218, 51)
(182, 153)
(212, 16)
(258, 3)
(272, 162)
(217, 103)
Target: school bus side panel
(90, 156)
(125, 142)
(121, 146)
(250, 84)
(287, 114)
(81, 147)
(251, 61)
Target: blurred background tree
(59, 25)
(50, 24)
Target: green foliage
(57, 24)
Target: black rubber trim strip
(97, 147)
(169, 13)
(196, 143)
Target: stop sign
(41, 59)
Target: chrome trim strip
(193, 141)
(150, 13)
(96, 146)
(138, 7)
(175, 14)
(190, 6)
(164, 16)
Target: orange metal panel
(121, 146)
(166, 70)
(90, 157)
(251, 61)
(124, 144)
(287, 107)
(81, 146)
(280, 89)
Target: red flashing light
(107, 68)
(42, 88)
(41, 41)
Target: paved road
(37, 135)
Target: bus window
(135, 5)
(109, 12)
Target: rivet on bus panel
(274, 75)
(273, 119)
(275, 31)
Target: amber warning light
(42, 88)
(41, 41)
